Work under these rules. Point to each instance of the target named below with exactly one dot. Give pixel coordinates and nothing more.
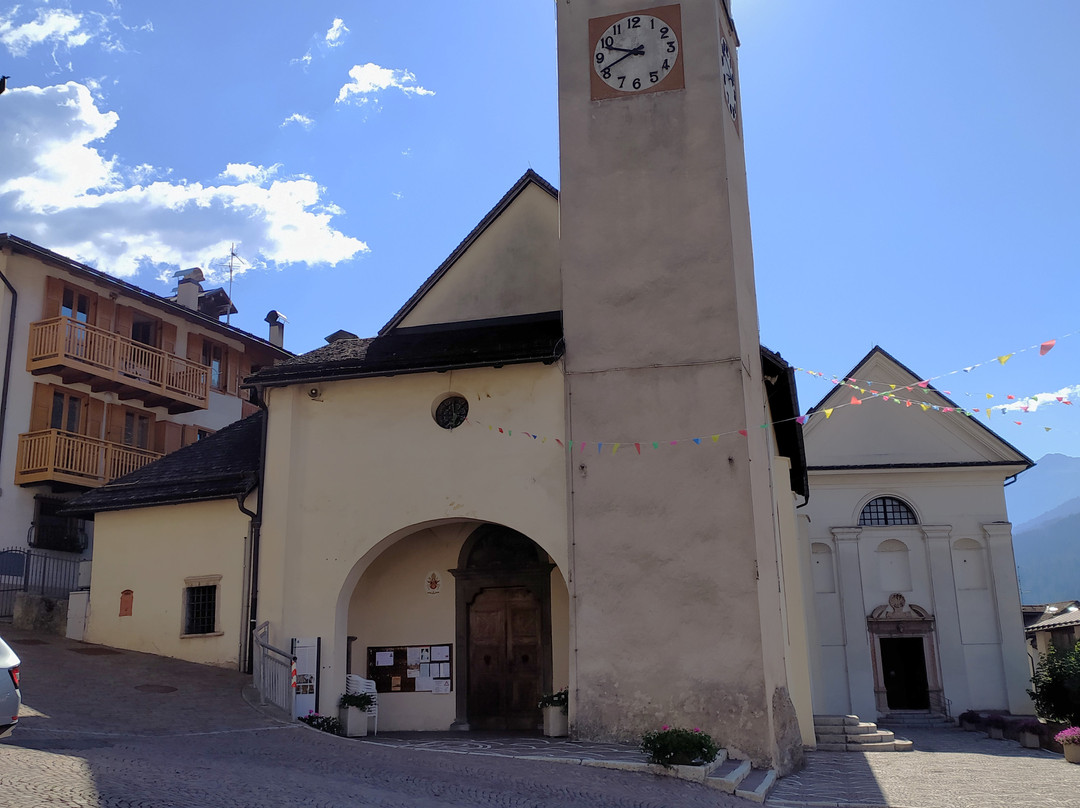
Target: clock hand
(625, 50)
(638, 51)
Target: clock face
(728, 67)
(635, 53)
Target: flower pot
(556, 722)
(354, 721)
(1029, 740)
(1072, 752)
(968, 726)
(997, 733)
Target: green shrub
(326, 723)
(672, 746)
(360, 700)
(1056, 686)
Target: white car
(10, 697)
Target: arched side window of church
(894, 566)
(821, 563)
(969, 564)
(884, 511)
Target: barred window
(200, 605)
(887, 511)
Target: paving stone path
(127, 730)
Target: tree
(1056, 684)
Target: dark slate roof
(426, 348)
(221, 466)
(784, 407)
(530, 177)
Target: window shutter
(123, 321)
(168, 338)
(191, 434)
(41, 407)
(194, 348)
(95, 416)
(106, 311)
(232, 368)
(169, 437)
(114, 420)
(54, 295)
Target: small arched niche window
(887, 511)
(822, 568)
(894, 566)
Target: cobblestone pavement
(126, 730)
(104, 728)
(948, 768)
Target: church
(567, 462)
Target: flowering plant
(560, 698)
(674, 746)
(995, 721)
(1068, 735)
(360, 700)
(1030, 725)
(326, 723)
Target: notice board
(411, 668)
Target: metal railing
(73, 343)
(37, 573)
(52, 454)
(272, 670)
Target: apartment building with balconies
(101, 377)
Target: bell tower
(676, 601)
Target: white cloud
(51, 26)
(59, 188)
(336, 34)
(370, 79)
(1032, 403)
(298, 118)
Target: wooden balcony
(55, 456)
(78, 352)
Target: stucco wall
(363, 465)
(151, 551)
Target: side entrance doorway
(503, 586)
(903, 664)
(903, 650)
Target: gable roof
(83, 271)
(224, 465)
(984, 447)
(530, 177)
(424, 349)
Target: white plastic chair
(358, 684)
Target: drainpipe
(256, 529)
(4, 253)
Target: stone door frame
(898, 619)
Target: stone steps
(921, 719)
(846, 733)
(739, 778)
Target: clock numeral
(636, 84)
(665, 65)
(616, 28)
(608, 41)
(599, 58)
(671, 47)
(606, 72)
(664, 32)
(633, 22)
(654, 77)
(622, 81)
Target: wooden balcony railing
(84, 353)
(52, 455)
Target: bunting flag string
(1025, 405)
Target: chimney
(189, 287)
(277, 322)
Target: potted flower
(673, 746)
(996, 726)
(556, 716)
(969, 721)
(1029, 731)
(353, 711)
(1070, 741)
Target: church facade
(566, 462)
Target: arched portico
(417, 590)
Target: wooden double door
(506, 646)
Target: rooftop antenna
(233, 258)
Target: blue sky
(913, 168)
